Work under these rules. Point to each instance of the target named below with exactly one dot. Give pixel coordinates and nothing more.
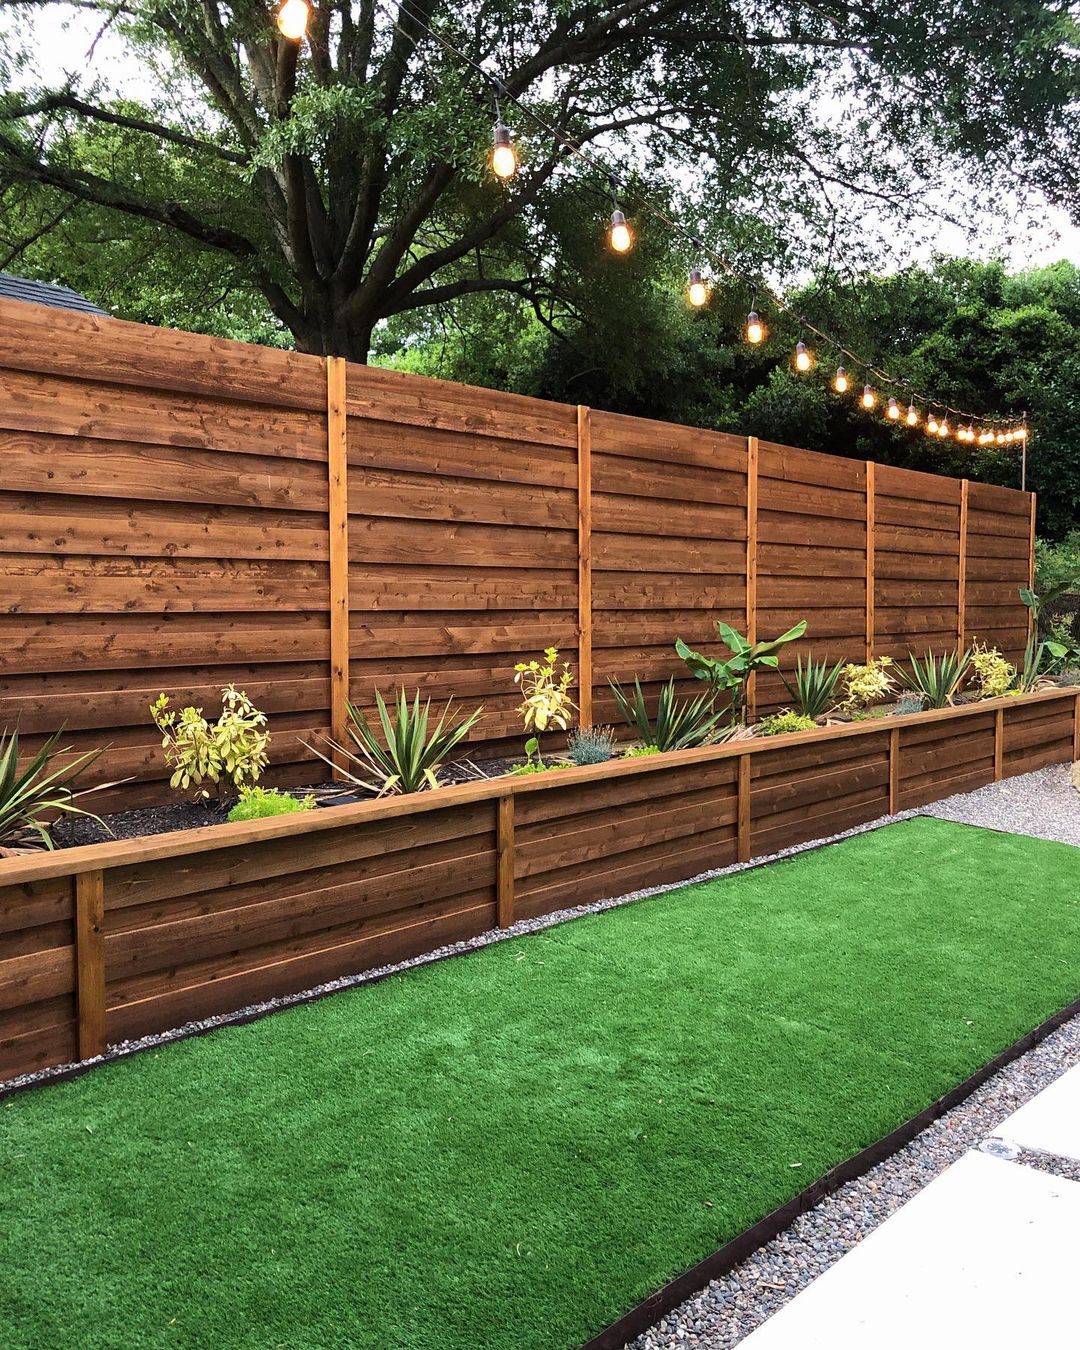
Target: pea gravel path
(1044, 805)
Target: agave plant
(680, 723)
(1041, 661)
(813, 687)
(936, 678)
(31, 798)
(409, 754)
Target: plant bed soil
(186, 815)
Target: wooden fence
(177, 512)
(117, 940)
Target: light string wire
(499, 89)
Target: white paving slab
(985, 1256)
(1049, 1122)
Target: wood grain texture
(871, 529)
(585, 593)
(90, 962)
(338, 529)
(961, 600)
(751, 562)
(505, 845)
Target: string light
(292, 19)
(504, 160)
(696, 291)
(893, 410)
(619, 235)
(931, 425)
(943, 427)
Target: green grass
(508, 1150)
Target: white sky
(66, 44)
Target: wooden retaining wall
(113, 941)
(178, 511)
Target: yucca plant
(409, 755)
(34, 796)
(1041, 659)
(936, 678)
(813, 687)
(680, 722)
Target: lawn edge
(695, 1278)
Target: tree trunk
(324, 331)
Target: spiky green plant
(680, 723)
(591, 745)
(936, 678)
(31, 797)
(1041, 660)
(813, 687)
(410, 753)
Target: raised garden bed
(111, 941)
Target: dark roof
(41, 293)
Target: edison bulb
(804, 358)
(869, 398)
(893, 409)
(622, 241)
(840, 380)
(696, 291)
(912, 416)
(755, 329)
(504, 160)
(292, 19)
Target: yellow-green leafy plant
(230, 750)
(994, 675)
(866, 684)
(782, 723)
(545, 688)
(258, 803)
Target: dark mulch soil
(191, 815)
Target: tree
(343, 181)
(967, 331)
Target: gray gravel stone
(1044, 805)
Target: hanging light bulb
(893, 410)
(504, 160)
(869, 398)
(969, 434)
(696, 291)
(619, 235)
(1010, 436)
(292, 19)
(1000, 438)
(804, 357)
(1022, 434)
(755, 329)
(840, 380)
(943, 427)
(912, 417)
(931, 425)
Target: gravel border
(1042, 805)
(730, 1308)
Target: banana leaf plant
(729, 676)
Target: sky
(69, 41)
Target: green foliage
(257, 803)
(640, 751)
(231, 749)
(1057, 566)
(679, 724)
(410, 752)
(729, 677)
(782, 723)
(1041, 660)
(534, 761)
(907, 704)
(935, 678)
(813, 686)
(862, 685)
(33, 796)
(993, 673)
(546, 689)
(591, 745)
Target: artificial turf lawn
(512, 1148)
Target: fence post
(90, 962)
(585, 617)
(1076, 728)
(504, 904)
(337, 444)
(961, 589)
(999, 742)
(871, 528)
(894, 770)
(1031, 563)
(743, 827)
(751, 566)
